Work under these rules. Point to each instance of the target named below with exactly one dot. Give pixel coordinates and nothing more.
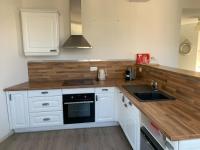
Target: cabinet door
(104, 107)
(19, 110)
(133, 126)
(120, 108)
(40, 32)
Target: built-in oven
(79, 108)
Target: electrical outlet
(93, 68)
(140, 69)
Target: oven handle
(83, 102)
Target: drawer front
(43, 104)
(46, 119)
(39, 93)
(105, 90)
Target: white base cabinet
(129, 120)
(104, 105)
(18, 109)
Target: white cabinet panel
(42, 104)
(46, 119)
(18, 108)
(105, 90)
(104, 107)
(78, 90)
(41, 93)
(40, 32)
(128, 116)
(189, 144)
(133, 126)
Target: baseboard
(69, 126)
(6, 136)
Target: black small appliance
(130, 74)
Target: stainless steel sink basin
(145, 93)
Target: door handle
(46, 119)
(123, 99)
(104, 89)
(96, 98)
(45, 104)
(45, 92)
(125, 105)
(53, 50)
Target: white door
(104, 107)
(40, 32)
(19, 113)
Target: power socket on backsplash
(140, 69)
(94, 68)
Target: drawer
(46, 119)
(39, 93)
(43, 104)
(105, 90)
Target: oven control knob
(85, 97)
(72, 97)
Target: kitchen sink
(154, 95)
(145, 93)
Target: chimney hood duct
(76, 40)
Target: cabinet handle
(130, 103)
(10, 97)
(45, 92)
(45, 104)
(104, 89)
(46, 119)
(53, 50)
(125, 105)
(123, 99)
(96, 98)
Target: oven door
(147, 141)
(79, 112)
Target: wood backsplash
(62, 70)
(182, 85)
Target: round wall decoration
(185, 47)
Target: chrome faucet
(154, 85)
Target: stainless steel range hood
(76, 40)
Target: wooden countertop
(177, 119)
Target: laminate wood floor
(109, 138)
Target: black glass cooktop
(78, 82)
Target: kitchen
(123, 29)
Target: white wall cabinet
(40, 32)
(18, 109)
(104, 106)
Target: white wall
(12, 65)
(190, 3)
(118, 29)
(189, 61)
